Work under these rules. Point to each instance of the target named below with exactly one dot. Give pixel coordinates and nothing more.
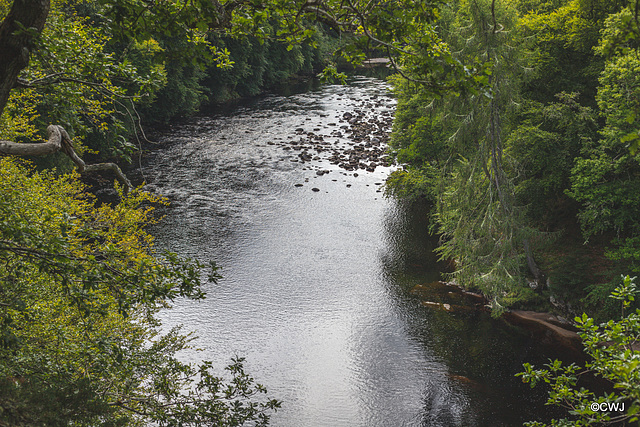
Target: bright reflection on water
(316, 285)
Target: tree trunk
(538, 275)
(17, 31)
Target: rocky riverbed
(354, 140)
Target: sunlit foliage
(79, 342)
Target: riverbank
(551, 331)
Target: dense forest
(532, 186)
(518, 122)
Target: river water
(318, 288)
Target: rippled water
(317, 286)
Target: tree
(541, 141)
(80, 283)
(457, 144)
(614, 356)
(18, 31)
(79, 341)
(605, 178)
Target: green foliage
(455, 152)
(419, 136)
(330, 74)
(182, 94)
(79, 341)
(411, 184)
(74, 80)
(562, 58)
(597, 300)
(614, 356)
(483, 235)
(547, 139)
(557, 131)
(621, 33)
(606, 178)
(259, 64)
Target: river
(318, 286)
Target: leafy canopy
(79, 339)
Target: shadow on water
(481, 354)
(409, 256)
(285, 89)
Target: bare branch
(425, 83)
(53, 145)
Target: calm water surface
(317, 286)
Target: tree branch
(59, 140)
(424, 83)
(363, 23)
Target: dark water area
(318, 289)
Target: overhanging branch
(59, 140)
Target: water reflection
(317, 286)
(409, 245)
(480, 355)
